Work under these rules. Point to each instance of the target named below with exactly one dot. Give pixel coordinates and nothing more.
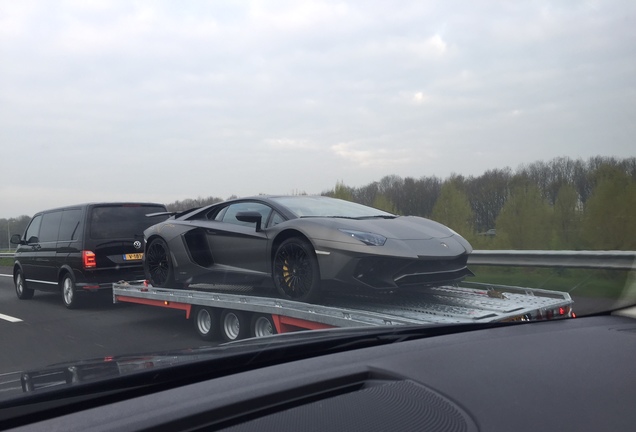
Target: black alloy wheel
(296, 274)
(157, 264)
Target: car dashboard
(573, 374)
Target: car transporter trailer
(238, 313)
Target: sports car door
(237, 244)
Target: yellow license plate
(133, 257)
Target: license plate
(133, 257)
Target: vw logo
(444, 244)
(137, 244)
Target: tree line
(559, 204)
(12, 226)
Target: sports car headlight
(367, 238)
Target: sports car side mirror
(251, 217)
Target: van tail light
(88, 258)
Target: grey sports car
(301, 245)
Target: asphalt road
(41, 331)
(48, 333)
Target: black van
(83, 248)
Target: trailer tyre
(205, 320)
(263, 325)
(235, 325)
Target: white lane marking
(11, 389)
(9, 318)
(10, 378)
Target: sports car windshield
(326, 207)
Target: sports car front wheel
(296, 274)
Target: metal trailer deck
(469, 303)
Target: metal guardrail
(608, 260)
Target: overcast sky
(162, 101)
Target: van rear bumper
(93, 287)
(103, 279)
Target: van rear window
(123, 221)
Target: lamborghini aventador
(301, 245)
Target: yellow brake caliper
(286, 274)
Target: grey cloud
(206, 89)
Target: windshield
(354, 165)
(326, 207)
(122, 221)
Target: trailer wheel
(205, 320)
(296, 273)
(263, 325)
(234, 325)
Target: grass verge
(582, 282)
